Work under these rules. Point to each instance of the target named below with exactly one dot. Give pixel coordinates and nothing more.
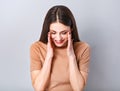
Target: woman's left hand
(70, 50)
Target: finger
(48, 36)
(69, 39)
(49, 39)
(69, 36)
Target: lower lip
(59, 42)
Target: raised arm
(40, 78)
(77, 76)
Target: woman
(59, 60)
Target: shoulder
(81, 45)
(38, 45)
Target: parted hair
(63, 15)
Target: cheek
(52, 36)
(65, 37)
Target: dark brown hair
(63, 15)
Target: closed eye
(53, 32)
(64, 33)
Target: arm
(77, 76)
(40, 78)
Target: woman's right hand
(49, 47)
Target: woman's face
(59, 34)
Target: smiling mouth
(59, 42)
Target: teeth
(58, 41)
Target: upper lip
(59, 41)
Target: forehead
(58, 27)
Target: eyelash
(53, 33)
(61, 33)
(64, 33)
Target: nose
(58, 37)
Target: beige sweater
(59, 80)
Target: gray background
(98, 23)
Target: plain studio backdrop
(98, 22)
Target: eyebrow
(61, 31)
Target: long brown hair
(64, 16)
